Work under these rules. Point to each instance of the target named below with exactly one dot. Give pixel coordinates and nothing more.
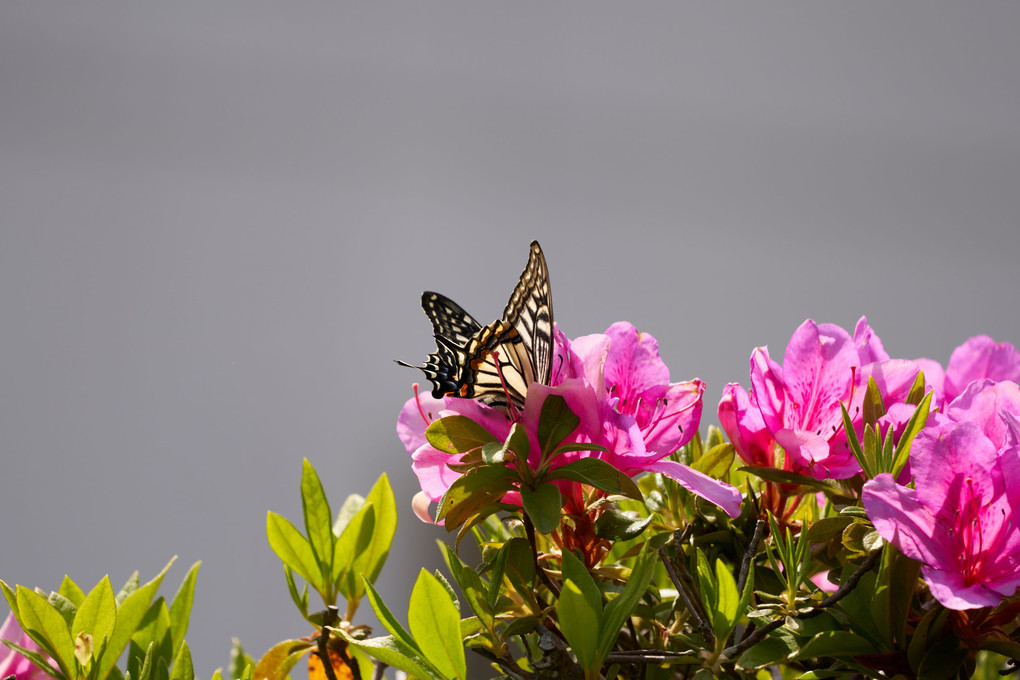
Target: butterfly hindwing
(497, 362)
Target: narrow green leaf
(145, 673)
(281, 657)
(130, 613)
(388, 620)
(435, 624)
(151, 637)
(914, 426)
(771, 650)
(851, 438)
(300, 599)
(916, 392)
(394, 652)
(518, 442)
(64, 606)
(47, 628)
(597, 473)
(828, 527)
(494, 453)
(520, 565)
(555, 423)
(183, 667)
(873, 408)
(457, 434)
(724, 616)
(543, 506)
(293, 549)
(180, 610)
(97, 615)
(71, 591)
(943, 660)
(130, 586)
(621, 607)
(11, 597)
(579, 622)
(836, 643)
(871, 451)
(471, 585)
(39, 660)
(318, 517)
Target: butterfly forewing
(496, 363)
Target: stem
(529, 529)
(686, 592)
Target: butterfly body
(493, 364)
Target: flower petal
(818, 373)
(722, 494)
(977, 358)
(742, 422)
(903, 521)
(768, 389)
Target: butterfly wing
(496, 363)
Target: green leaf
(599, 474)
(716, 462)
(724, 615)
(151, 637)
(615, 525)
(130, 613)
(873, 407)
(943, 660)
(518, 442)
(318, 517)
(457, 434)
(543, 506)
(914, 426)
(352, 553)
(916, 392)
(787, 477)
(385, 503)
(835, 643)
(97, 615)
(771, 650)
(394, 652)
(389, 621)
(71, 591)
(435, 624)
(484, 485)
(555, 424)
(574, 570)
(622, 606)
(851, 438)
(44, 624)
(241, 664)
(293, 549)
(183, 667)
(300, 599)
(11, 597)
(471, 585)
(347, 512)
(579, 622)
(64, 606)
(180, 610)
(281, 657)
(130, 586)
(827, 528)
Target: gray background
(216, 220)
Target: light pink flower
(978, 358)
(963, 520)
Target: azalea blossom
(619, 388)
(978, 358)
(797, 406)
(13, 663)
(962, 522)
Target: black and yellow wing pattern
(493, 364)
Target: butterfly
(493, 364)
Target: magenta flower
(978, 358)
(963, 520)
(13, 663)
(797, 405)
(618, 387)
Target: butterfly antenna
(510, 406)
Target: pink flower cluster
(13, 663)
(617, 385)
(960, 514)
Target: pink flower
(978, 358)
(963, 520)
(797, 405)
(13, 663)
(618, 387)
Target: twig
(529, 529)
(328, 619)
(683, 589)
(646, 656)
(752, 548)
